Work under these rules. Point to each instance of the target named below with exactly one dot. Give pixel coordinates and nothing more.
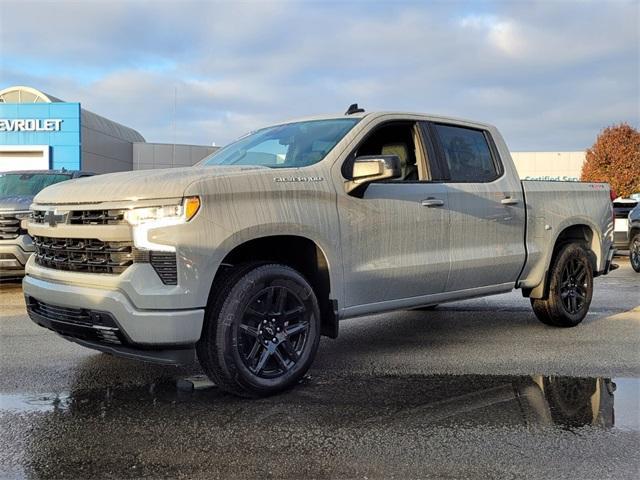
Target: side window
(466, 153)
(390, 139)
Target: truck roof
(375, 114)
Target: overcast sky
(549, 74)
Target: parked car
(621, 208)
(17, 189)
(634, 238)
(247, 258)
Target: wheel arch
(299, 252)
(577, 233)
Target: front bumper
(14, 255)
(107, 320)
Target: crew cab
(17, 189)
(247, 258)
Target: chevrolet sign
(30, 125)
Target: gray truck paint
(384, 251)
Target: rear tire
(634, 252)
(570, 289)
(261, 332)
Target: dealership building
(39, 131)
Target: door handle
(432, 202)
(509, 201)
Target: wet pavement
(475, 389)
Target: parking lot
(473, 389)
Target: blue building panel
(64, 110)
(8, 110)
(55, 124)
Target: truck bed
(552, 206)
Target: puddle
(627, 403)
(34, 403)
(412, 401)
(331, 425)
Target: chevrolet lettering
(30, 125)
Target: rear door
(486, 208)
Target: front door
(395, 245)
(395, 236)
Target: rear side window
(467, 154)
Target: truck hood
(16, 203)
(133, 186)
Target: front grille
(96, 217)
(96, 256)
(76, 322)
(10, 226)
(83, 255)
(87, 217)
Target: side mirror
(372, 168)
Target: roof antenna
(353, 108)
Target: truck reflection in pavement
(87, 431)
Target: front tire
(634, 252)
(570, 289)
(261, 332)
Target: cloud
(549, 74)
(501, 34)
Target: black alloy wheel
(261, 330)
(273, 332)
(573, 286)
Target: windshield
(291, 145)
(27, 184)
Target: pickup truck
(248, 257)
(17, 189)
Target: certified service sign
(30, 125)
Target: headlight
(139, 216)
(144, 219)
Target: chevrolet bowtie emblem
(53, 218)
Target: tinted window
(291, 145)
(466, 153)
(27, 183)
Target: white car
(621, 208)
